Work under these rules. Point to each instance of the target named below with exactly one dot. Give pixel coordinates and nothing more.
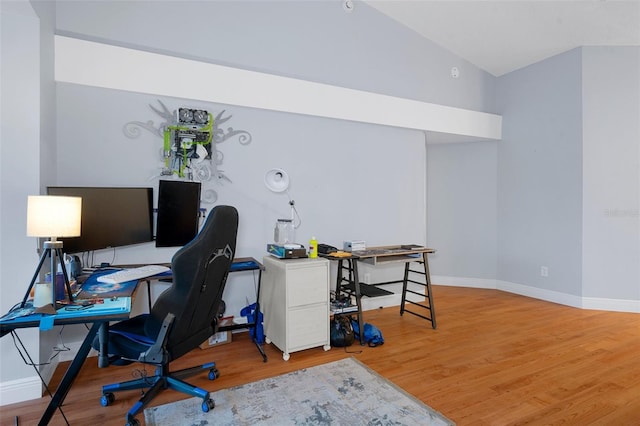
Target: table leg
(405, 283)
(256, 318)
(103, 337)
(356, 284)
(70, 375)
(429, 291)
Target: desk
(403, 254)
(240, 264)
(99, 316)
(96, 316)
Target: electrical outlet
(367, 278)
(544, 271)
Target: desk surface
(238, 264)
(390, 254)
(399, 250)
(115, 309)
(109, 310)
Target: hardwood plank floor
(495, 359)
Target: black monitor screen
(178, 212)
(111, 217)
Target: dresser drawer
(308, 327)
(307, 286)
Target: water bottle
(313, 248)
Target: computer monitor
(178, 212)
(111, 217)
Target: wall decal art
(190, 144)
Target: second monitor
(178, 213)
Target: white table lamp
(52, 217)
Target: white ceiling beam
(113, 67)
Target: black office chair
(183, 316)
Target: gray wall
(569, 178)
(310, 40)
(19, 171)
(462, 185)
(350, 180)
(611, 184)
(540, 175)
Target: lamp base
(51, 249)
(52, 244)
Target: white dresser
(294, 298)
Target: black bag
(341, 331)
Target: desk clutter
(287, 251)
(90, 297)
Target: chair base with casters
(163, 378)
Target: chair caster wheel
(214, 373)
(208, 405)
(133, 422)
(107, 399)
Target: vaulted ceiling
(502, 36)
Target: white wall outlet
(544, 271)
(367, 278)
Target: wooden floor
(495, 359)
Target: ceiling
(503, 36)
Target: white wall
(48, 146)
(313, 40)
(540, 176)
(19, 177)
(569, 179)
(462, 219)
(611, 185)
(349, 180)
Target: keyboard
(133, 274)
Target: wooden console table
(407, 255)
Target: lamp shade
(277, 180)
(53, 216)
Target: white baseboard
(31, 387)
(539, 293)
(463, 282)
(614, 305)
(19, 390)
(617, 305)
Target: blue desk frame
(98, 321)
(100, 326)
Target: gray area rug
(344, 392)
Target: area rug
(344, 392)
